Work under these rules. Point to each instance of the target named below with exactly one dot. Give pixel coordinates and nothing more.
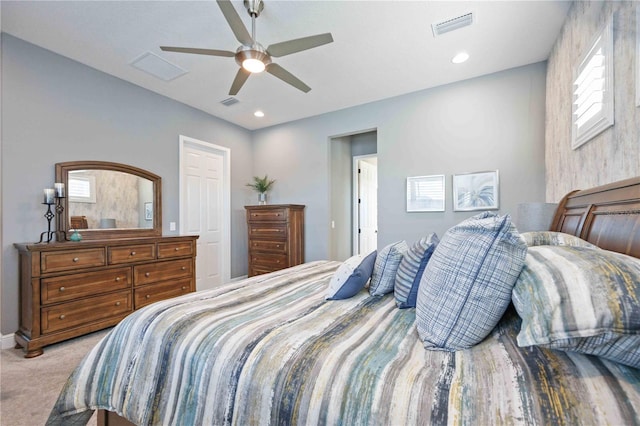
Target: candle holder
(59, 234)
(49, 233)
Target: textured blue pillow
(351, 276)
(410, 271)
(466, 286)
(384, 271)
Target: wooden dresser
(73, 288)
(276, 237)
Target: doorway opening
(354, 208)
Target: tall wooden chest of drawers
(73, 288)
(276, 237)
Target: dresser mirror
(109, 200)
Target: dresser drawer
(160, 271)
(267, 230)
(54, 261)
(67, 287)
(270, 246)
(161, 291)
(85, 311)
(166, 250)
(278, 261)
(261, 269)
(271, 215)
(128, 254)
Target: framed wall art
(476, 191)
(148, 211)
(425, 193)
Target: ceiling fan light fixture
(253, 65)
(252, 59)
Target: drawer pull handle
(277, 245)
(62, 316)
(148, 296)
(277, 261)
(75, 259)
(133, 253)
(117, 303)
(176, 249)
(184, 268)
(184, 287)
(62, 288)
(147, 274)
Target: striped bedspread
(271, 350)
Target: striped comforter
(271, 350)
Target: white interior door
(367, 206)
(204, 193)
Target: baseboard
(7, 341)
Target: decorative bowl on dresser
(276, 237)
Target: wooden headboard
(607, 216)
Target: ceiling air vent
(158, 67)
(229, 101)
(452, 24)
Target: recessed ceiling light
(460, 58)
(259, 113)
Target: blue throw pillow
(410, 271)
(351, 276)
(384, 271)
(467, 284)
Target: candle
(59, 189)
(48, 195)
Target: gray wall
(615, 153)
(487, 123)
(341, 199)
(55, 109)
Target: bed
(272, 350)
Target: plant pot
(262, 198)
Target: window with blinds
(81, 189)
(593, 90)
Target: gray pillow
(466, 286)
(384, 271)
(411, 269)
(582, 300)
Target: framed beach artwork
(476, 191)
(425, 193)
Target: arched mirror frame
(62, 175)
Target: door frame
(186, 141)
(355, 245)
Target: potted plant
(261, 186)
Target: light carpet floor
(30, 387)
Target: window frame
(604, 118)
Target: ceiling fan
(251, 56)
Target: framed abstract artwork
(476, 191)
(425, 193)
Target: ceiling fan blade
(234, 21)
(299, 44)
(287, 77)
(241, 77)
(212, 52)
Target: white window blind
(81, 189)
(593, 90)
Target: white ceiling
(381, 49)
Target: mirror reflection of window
(81, 188)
